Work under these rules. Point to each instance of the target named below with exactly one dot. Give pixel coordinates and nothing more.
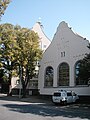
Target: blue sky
(74, 12)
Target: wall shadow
(70, 111)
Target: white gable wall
(74, 47)
(43, 40)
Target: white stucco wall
(44, 41)
(75, 48)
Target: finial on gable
(39, 20)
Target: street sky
(50, 12)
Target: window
(63, 54)
(33, 83)
(63, 74)
(57, 94)
(77, 73)
(69, 94)
(17, 82)
(80, 78)
(44, 46)
(48, 77)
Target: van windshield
(64, 94)
(57, 94)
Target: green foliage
(8, 42)
(84, 68)
(19, 47)
(3, 6)
(29, 53)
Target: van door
(69, 97)
(56, 97)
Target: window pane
(49, 77)
(69, 94)
(81, 79)
(64, 74)
(57, 94)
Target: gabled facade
(59, 64)
(43, 39)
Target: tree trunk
(10, 87)
(25, 82)
(22, 81)
(23, 90)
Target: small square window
(63, 54)
(45, 46)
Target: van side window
(69, 94)
(74, 94)
(57, 94)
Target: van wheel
(65, 102)
(56, 103)
(77, 101)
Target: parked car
(64, 97)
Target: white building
(43, 39)
(59, 64)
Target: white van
(64, 97)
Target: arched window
(77, 73)
(63, 74)
(80, 78)
(48, 77)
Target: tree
(8, 48)
(84, 68)
(3, 6)
(19, 47)
(1, 76)
(29, 54)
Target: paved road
(36, 109)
